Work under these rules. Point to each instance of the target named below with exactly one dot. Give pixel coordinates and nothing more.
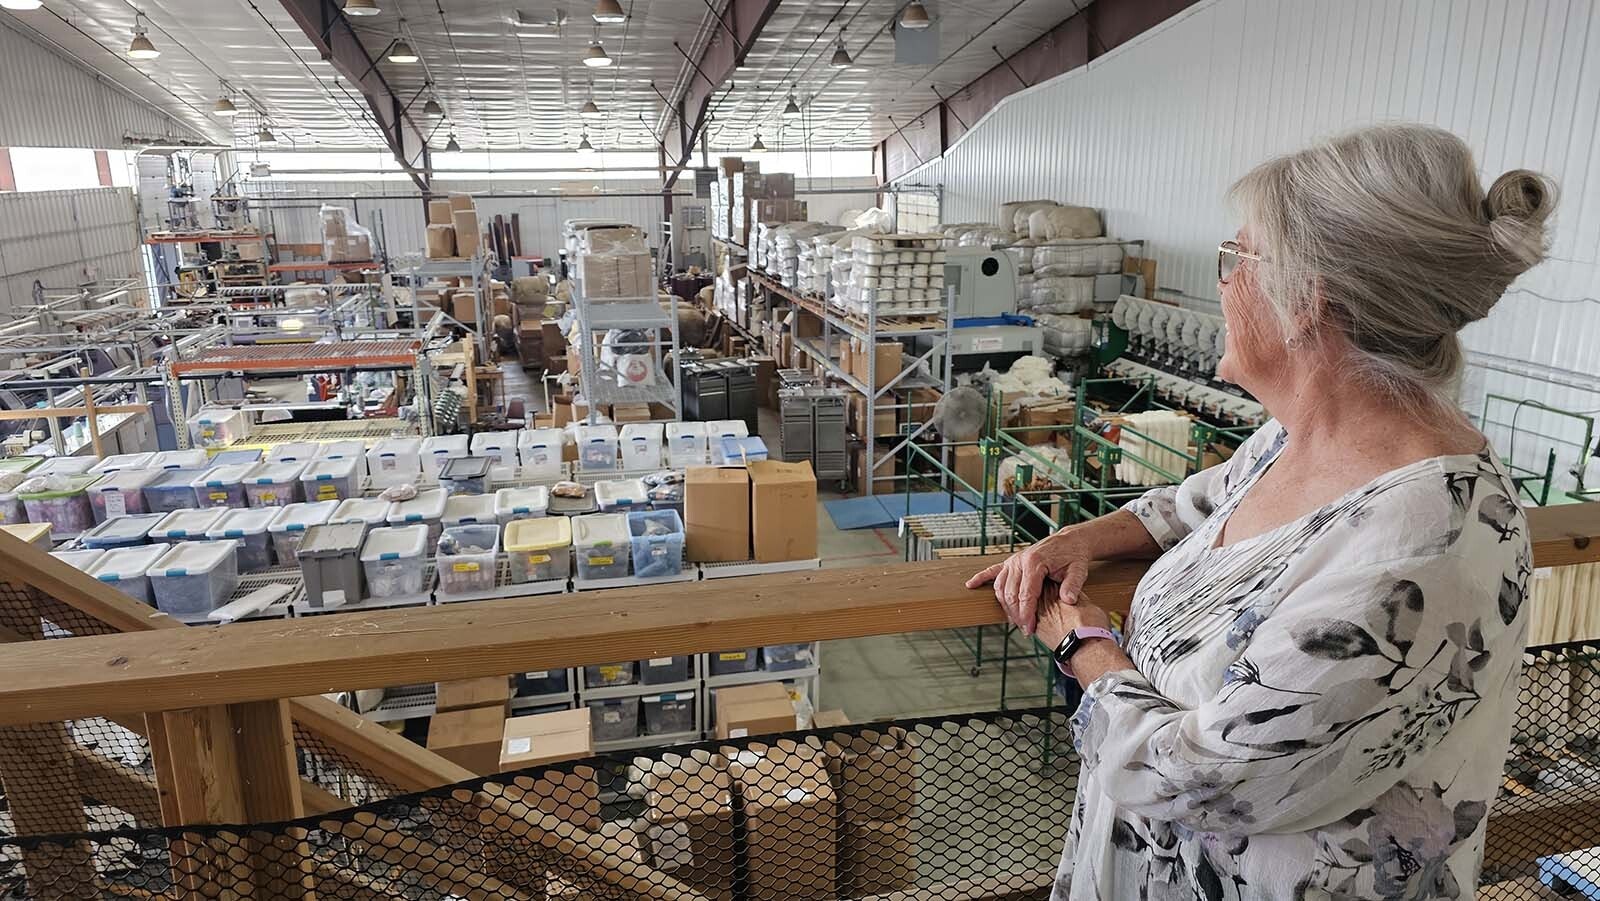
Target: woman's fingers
(985, 577)
(1030, 583)
(1002, 588)
(1072, 581)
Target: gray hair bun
(1518, 203)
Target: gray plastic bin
(664, 670)
(668, 714)
(330, 561)
(606, 675)
(542, 682)
(741, 660)
(781, 657)
(615, 720)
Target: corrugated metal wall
(64, 239)
(51, 101)
(1154, 132)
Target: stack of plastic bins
(124, 531)
(656, 537)
(468, 558)
(664, 670)
(467, 475)
(372, 512)
(218, 427)
(616, 719)
(600, 546)
(172, 489)
(668, 714)
(119, 462)
(330, 562)
(739, 451)
(330, 480)
(437, 450)
(79, 560)
(540, 451)
(598, 449)
(349, 449)
(126, 569)
(727, 663)
(641, 446)
(222, 486)
(290, 525)
(394, 461)
(249, 529)
(468, 510)
(620, 495)
(501, 449)
(512, 504)
(779, 658)
(396, 561)
(273, 484)
(64, 466)
(301, 452)
(686, 444)
(539, 550)
(186, 525)
(121, 493)
(193, 458)
(724, 428)
(67, 510)
(195, 577)
(609, 675)
(426, 508)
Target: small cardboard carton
(876, 858)
(791, 821)
(829, 719)
(716, 514)
(490, 691)
(460, 202)
(439, 212)
(969, 466)
(544, 738)
(630, 411)
(783, 510)
(688, 815)
(760, 709)
(466, 226)
(574, 796)
(875, 774)
(469, 738)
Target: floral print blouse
(1316, 712)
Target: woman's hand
(1019, 580)
(1057, 619)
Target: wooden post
(93, 419)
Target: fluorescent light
(361, 7)
(21, 5)
(401, 52)
(914, 17)
(841, 57)
(596, 56)
(224, 108)
(608, 12)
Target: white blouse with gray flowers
(1320, 711)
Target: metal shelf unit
(602, 384)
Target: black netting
(31, 614)
(322, 764)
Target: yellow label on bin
(269, 498)
(602, 561)
(327, 492)
(536, 559)
(465, 567)
(218, 497)
(730, 656)
(610, 671)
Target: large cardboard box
(791, 823)
(460, 202)
(760, 709)
(464, 307)
(883, 417)
(783, 510)
(544, 738)
(874, 774)
(466, 225)
(490, 691)
(860, 468)
(968, 465)
(887, 361)
(469, 738)
(572, 796)
(441, 241)
(921, 404)
(688, 814)
(439, 212)
(876, 858)
(1040, 414)
(630, 411)
(766, 380)
(716, 514)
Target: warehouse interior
(378, 373)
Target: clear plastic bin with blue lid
(195, 577)
(601, 545)
(289, 526)
(273, 484)
(122, 531)
(222, 486)
(468, 558)
(249, 528)
(119, 462)
(781, 657)
(121, 493)
(234, 457)
(394, 461)
(60, 500)
(194, 458)
(80, 560)
(396, 561)
(599, 449)
(739, 451)
(172, 490)
(656, 537)
(468, 509)
(186, 525)
(641, 446)
(540, 549)
(294, 452)
(500, 448)
(718, 429)
(511, 504)
(620, 495)
(330, 480)
(437, 450)
(372, 512)
(426, 508)
(467, 475)
(541, 452)
(127, 568)
(686, 444)
(347, 449)
(63, 466)
(218, 427)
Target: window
(54, 168)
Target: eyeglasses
(1229, 253)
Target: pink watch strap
(1083, 633)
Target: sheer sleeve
(1169, 513)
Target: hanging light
(841, 57)
(915, 17)
(432, 108)
(140, 47)
(401, 52)
(608, 12)
(224, 108)
(265, 135)
(792, 110)
(21, 5)
(584, 146)
(596, 57)
(590, 110)
(361, 7)
(453, 146)
(757, 147)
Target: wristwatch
(1075, 640)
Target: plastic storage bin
(726, 663)
(609, 675)
(290, 525)
(186, 525)
(540, 451)
(81, 560)
(194, 577)
(466, 475)
(665, 670)
(539, 549)
(249, 529)
(222, 486)
(686, 444)
(641, 446)
(330, 480)
(426, 508)
(372, 512)
(620, 495)
(121, 493)
(668, 714)
(656, 537)
(615, 720)
(598, 448)
(62, 466)
(193, 458)
(349, 449)
(301, 452)
(739, 451)
(330, 561)
(469, 509)
(126, 569)
(542, 682)
(172, 490)
(500, 448)
(218, 427)
(19, 464)
(67, 510)
(394, 461)
(573, 506)
(440, 449)
(467, 558)
(124, 531)
(511, 504)
(273, 484)
(235, 457)
(719, 429)
(777, 658)
(600, 545)
(396, 561)
(119, 462)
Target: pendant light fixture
(915, 17)
(432, 108)
(265, 135)
(596, 56)
(756, 147)
(224, 106)
(792, 110)
(452, 146)
(21, 5)
(361, 7)
(841, 57)
(140, 47)
(590, 110)
(608, 12)
(584, 146)
(401, 52)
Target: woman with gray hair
(1314, 690)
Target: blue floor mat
(884, 510)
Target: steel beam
(740, 22)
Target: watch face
(1063, 651)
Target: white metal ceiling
(509, 75)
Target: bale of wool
(1010, 213)
(1076, 256)
(1066, 222)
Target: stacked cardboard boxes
(791, 820)
(545, 738)
(688, 814)
(875, 777)
(343, 239)
(769, 506)
(614, 264)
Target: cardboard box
(490, 691)
(760, 709)
(543, 738)
(630, 411)
(887, 361)
(464, 307)
(441, 241)
(439, 212)
(716, 514)
(783, 510)
(876, 858)
(729, 165)
(829, 719)
(922, 402)
(466, 225)
(460, 202)
(688, 814)
(884, 417)
(968, 465)
(791, 823)
(502, 306)
(348, 250)
(573, 796)
(469, 738)
(766, 380)
(874, 774)
(544, 421)
(861, 461)
(1053, 412)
